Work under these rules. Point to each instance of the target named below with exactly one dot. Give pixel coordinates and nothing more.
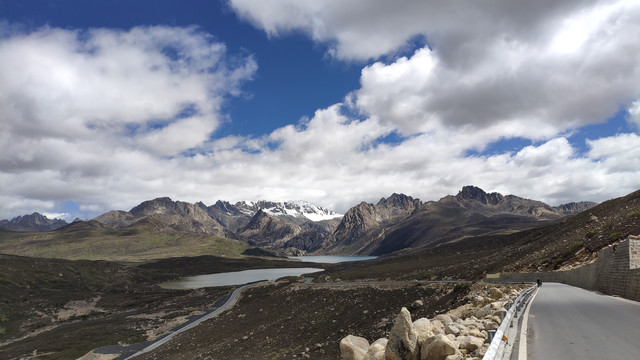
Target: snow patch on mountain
(298, 208)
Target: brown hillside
(572, 242)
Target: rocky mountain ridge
(32, 222)
(401, 222)
(297, 227)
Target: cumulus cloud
(66, 84)
(366, 29)
(523, 69)
(490, 71)
(82, 109)
(111, 118)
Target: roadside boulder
(422, 322)
(484, 311)
(495, 293)
(424, 329)
(451, 329)
(376, 350)
(476, 333)
(353, 347)
(438, 326)
(490, 325)
(463, 311)
(456, 356)
(470, 343)
(417, 304)
(444, 318)
(403, 338)
(437, 348)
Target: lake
(332, 259)
(235, 278)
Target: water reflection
(332, 259)
(235, 278)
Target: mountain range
(33, 222)
(298, 227)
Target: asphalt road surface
(567, 322)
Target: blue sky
(105, 104)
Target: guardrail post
(490, 335)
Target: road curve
(567, 322)
(233, 299)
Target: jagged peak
(397, 200)
(35, 215)
(32, 222)
(260, 217)
(471, 192)
(573, 208)
(228, 208)
(362, 206)
(160, 201)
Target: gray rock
(422, 322)
(456, 356)
(470, 343)
(451, 329)
(437, 324)
(424, 328)
(375, 352)
(382, 341)
(484, 311)
(476, 333)
(403, 339)
(353, 347)
(496, 294)
(437, 348)
(444, 318)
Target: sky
(108, 103)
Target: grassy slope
(95, 243)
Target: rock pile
(459, 334)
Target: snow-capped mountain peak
(298, 208)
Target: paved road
(130, 351)
(233, 299)
(566, 322)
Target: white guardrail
(497, 346)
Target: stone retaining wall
(616, 272)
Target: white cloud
(617, 154)
(72, 84)
(92, 115)
(108, 119)
(634, 114)
(525, 69)
(365, 29)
